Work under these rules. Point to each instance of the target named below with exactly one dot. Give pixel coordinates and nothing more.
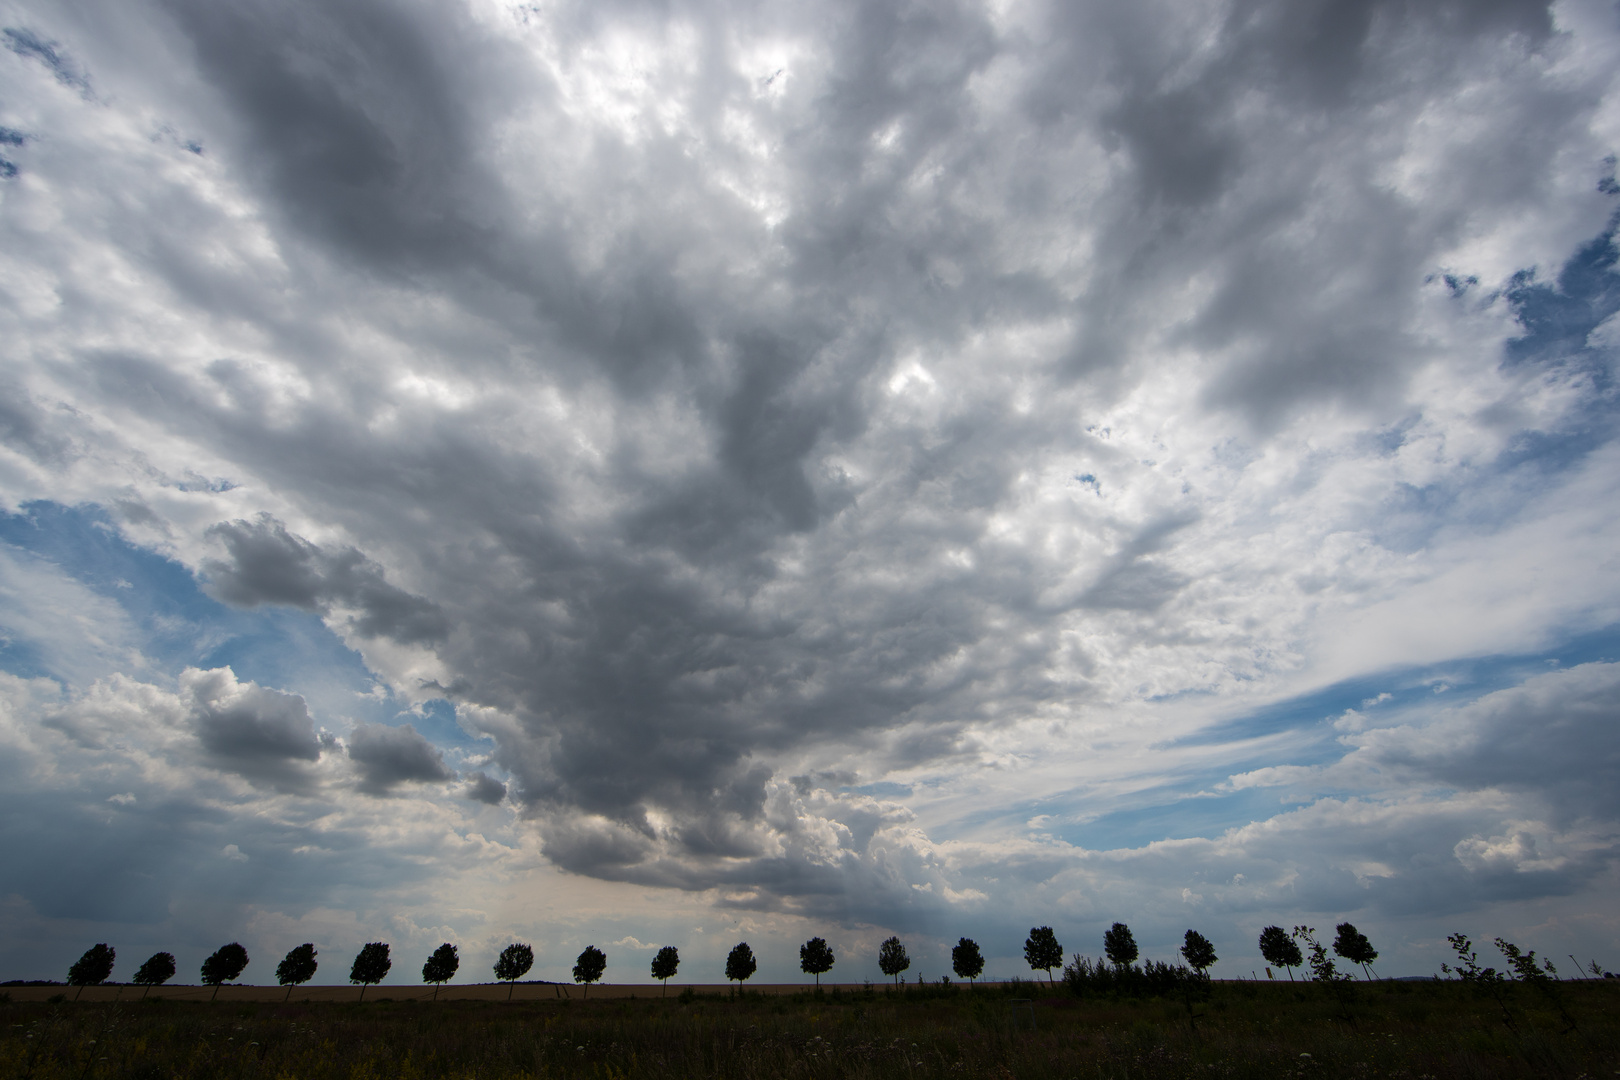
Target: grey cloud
(684, 524)
(485, 789)
(254, 730)
(25, 42)
(388, 756)
(1555, 737)
(26, 427)
(269, 565)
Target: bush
(1099, 978)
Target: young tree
(1042, 950)
(816, 958)
(665, 964)
(93, 968)
(370, 966)
(1119, 945)
(740, 965)
(1280, 949)
(892, 959)
(1353, 945)
(589, 967)
(1322, 967)
(225, 965)
(158, 969)
(1198, 952)
(514, 963)
(297, 968)
(441, 967)
(966, 960)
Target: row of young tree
(1042, 952)
(371, 965)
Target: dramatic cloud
(388, 756)
(896, 467)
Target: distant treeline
(1116, 972)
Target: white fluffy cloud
(884, 467)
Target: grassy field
(1245, 1029)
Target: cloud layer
(863, 467)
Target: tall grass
(1439, 1030)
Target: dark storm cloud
(388, 756)
(265, 735)
(688, 492)
(1556, 737)
(269, 565)
(485, 789)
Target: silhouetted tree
(740, 964)
(225, 965)
(892, 959)
(1280, 949)
(1042, 950)
(514, 963)
(966, 960)
(1198, 952)
(370, 966)
(816, 958)
(297, 968)
(1353, 945)
(665, 964)
(1119, 945)
(441, 967)
(1322, 967)
(93, 968)
(589, 967)
(158, 969)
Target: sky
(674, 473)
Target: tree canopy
(158, 969)
(94, 967)
(966, 960)
(1279, 948)
(892, 958)
(225, 965)
(740, 963)
(1198, 952)
(1119, 945)
(1042, 950)
(1353, 945)
(816, 958)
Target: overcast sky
(679, 473)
